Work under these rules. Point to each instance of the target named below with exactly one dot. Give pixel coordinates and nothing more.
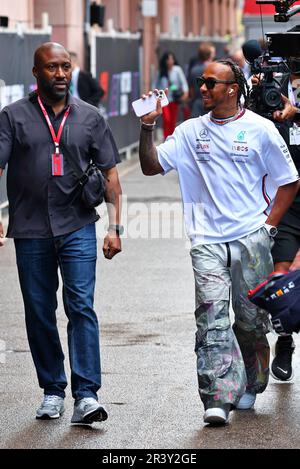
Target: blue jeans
(38, 261)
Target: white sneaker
(216, 415)
(246, 402)
(52, 407)
(88, 410)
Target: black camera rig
(283, 9)
(276, 63)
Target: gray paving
(145, 303)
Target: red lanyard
(56, 138)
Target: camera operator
(287, 240)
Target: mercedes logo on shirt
(203, 133)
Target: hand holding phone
(146, 105)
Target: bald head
(44, 50)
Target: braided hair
(240, 79)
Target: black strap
(228, 255)
(81, 175)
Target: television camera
(274, 65)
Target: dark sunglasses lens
(210, 83)
(200, 81)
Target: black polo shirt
(42, 205)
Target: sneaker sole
(98, 415)
(214, 419)
(49, 417)
(279, 379)
(244, 407)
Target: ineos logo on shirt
(241, 148)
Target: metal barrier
(115, 62)
(16, 80)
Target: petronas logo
(241, 135)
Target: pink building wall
(17, 11)
(67, 20)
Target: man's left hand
(111, 245)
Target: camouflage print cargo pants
(231, 360)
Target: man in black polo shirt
(52, 227)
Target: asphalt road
(145, 302)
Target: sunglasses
(210, 83)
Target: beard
(207, 103)
(49, 89)
(208, 107)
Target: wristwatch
(272, 230)
(119, 229)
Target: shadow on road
(270, 425)
(53, 435)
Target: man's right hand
(255, 79)
(288, 112)
(1, 235)
(152, 116)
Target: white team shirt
(228, 174)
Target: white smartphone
(144, 106)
